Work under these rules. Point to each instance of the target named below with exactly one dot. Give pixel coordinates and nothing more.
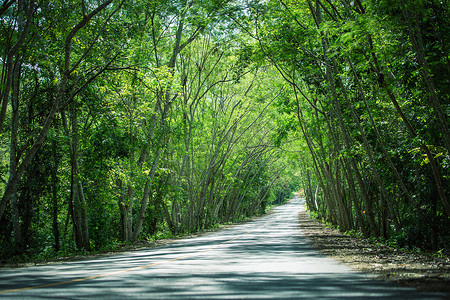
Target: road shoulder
(431, 274)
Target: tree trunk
(25, 18)
(54, 177)
(79, 202)
(378, 135)
(13, 158)
(369, 152)
(436, 174)
(418, 48)
(352, 190)
(140, 220)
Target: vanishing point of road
(267, 258)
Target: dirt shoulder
(424, 272)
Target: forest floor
(425, 272)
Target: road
(268, 258)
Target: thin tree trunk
(352, 191)
(436, 174)
(418, 48)
(54, 177)
(25, 18)
(79, 202)
(13, 158)
(369, 152)
(379, 138)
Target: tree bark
(14, 157)
(79, 202)
(55, 207)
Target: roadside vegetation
(125, 121)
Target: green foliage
(167, 107)
(177, 116)
(348, 65)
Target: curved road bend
(266, 258)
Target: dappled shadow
(228, 285)
(267, 258)
(428, 273)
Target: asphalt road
(266, 258)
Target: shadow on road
(267, 258)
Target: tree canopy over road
(124, 120)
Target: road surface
(266, 259)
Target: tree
(349, 69)
(19, 59)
